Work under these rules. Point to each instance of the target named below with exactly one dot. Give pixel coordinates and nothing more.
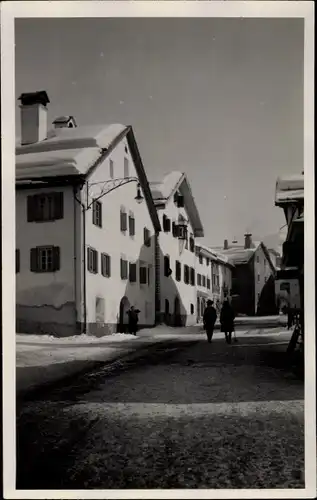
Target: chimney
(33, 117)
(65, 122)
(225, 245)
(247, 240)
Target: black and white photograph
(159, 322)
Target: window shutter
(132, 272)
(123, 221)
(56, 259)
(143, 275)
(17, 260)
(34, 260)
(58, 205)
(108, 266)
(95, 261)
(31, 208)
(100, 213)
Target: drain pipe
(83, 209)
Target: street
(186, 415)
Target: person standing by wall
(227, 320)
(209, 319)
(133, 315)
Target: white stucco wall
(176, 250)
(110, 240)
(45, 297)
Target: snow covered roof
(239, 255)
(66, 151)
(289, 189)
(162, 191)
(76, 152)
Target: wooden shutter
(34, 260)
(31, 208)
(58, 200)
(131, 225)
(123, 269)
(132, 272)
(17, 260)
(100, 213)
(108, 266)
(56, 259)
(143, 275)
(95, 261)
(123, 221)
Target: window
(257, 258)
(208, 283)
(191, 243)
(217, 281)
(147, 237)
(132, 272)
(192, 276)
(203, 280)
(166, 265)
(178, 271)
(180, 201)
(17, 260)
(207, 262)
(111, 169)
(200, 259)
(123, 220)
(123, 269)
(186, 274)
(166, 224)
(126, 167)
(175, 230)
(105, 265)
(45, 207)
(143, 273)
(199, 279)
(97, 213)
(258, 277)
(192, 309)
(92, 260)
(167, 306)
(45, 259)
(131, 225)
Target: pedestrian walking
(227, 320)
(133, 315)
(209, 319)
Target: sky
(217, 98)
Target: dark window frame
(167, 265)
(132, 272)
(17, 260)
(143, 275)
(178, 270)
(147, 237)
(186, 274)
(131, 225)
(123, 220)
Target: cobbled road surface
(187, 415)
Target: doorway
(123, 317)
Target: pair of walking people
(226, 320)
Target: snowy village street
(184, 414)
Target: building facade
(181, 225)
(252, 277)
(81, 194)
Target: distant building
(204, 259)
(253, 289)
(81, 258)
(181, 225)
(289, 195)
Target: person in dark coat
(133, 315)
(209, 319)
(227, 320)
